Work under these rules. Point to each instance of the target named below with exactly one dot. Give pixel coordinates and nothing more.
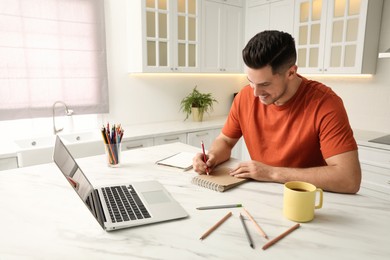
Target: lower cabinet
(8, 163)
(375, 164)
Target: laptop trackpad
(154, 197)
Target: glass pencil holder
(113, 154)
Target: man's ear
(292, 70)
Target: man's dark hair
(273, 48)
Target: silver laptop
(118, 206)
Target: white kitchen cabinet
(264, 15)
(375, 164)
(166, 139)
(222, 32)
(163, 36)
(337, 36)
(8, 163)
(135, 144)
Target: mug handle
(320, 200)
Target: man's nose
(257, 91)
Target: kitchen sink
(82, 137)
(39, 150)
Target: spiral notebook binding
(207, 184)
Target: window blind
(52, 50)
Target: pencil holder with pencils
(112, 141)
(113, 154)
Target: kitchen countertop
(44, 218)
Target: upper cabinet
(163, 35)
(337, 36)
(268, 15)
(222, 36)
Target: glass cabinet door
(157, 29)
(187, 38)
(310, 35)
(343, 41)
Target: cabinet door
(232, 39)
(257, 20)
(157, 55)
(165, 37)
(269, 15)
(310, 29)
(211, 42)
(221, 37)
(346, 22)
(281, 16)
(186, 48)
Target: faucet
(68, 112)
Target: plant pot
(196, 115)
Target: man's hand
(253, 170)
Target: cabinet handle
(204, 134)
(134, 147)
(388, 182)
(171, 139)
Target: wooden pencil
(208, 232)
(276, 239)
(256, 225)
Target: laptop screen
(74, 175)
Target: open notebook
(220, 179)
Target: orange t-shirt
(312, 126)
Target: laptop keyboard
(124, 204)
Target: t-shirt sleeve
(336, 135)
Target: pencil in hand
(204, 157)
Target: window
(52, 50)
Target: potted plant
(197, 104)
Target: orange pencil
(276, 239)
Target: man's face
(269, 88)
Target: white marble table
(43, 218)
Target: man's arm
(342, 173)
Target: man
(294, 128)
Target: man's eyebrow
(263, 83)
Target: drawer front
(195, 138)
(166, 139)
(374, 156)
(8, 163)
(135, 144)
(375, 177)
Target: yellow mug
(299, 201)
